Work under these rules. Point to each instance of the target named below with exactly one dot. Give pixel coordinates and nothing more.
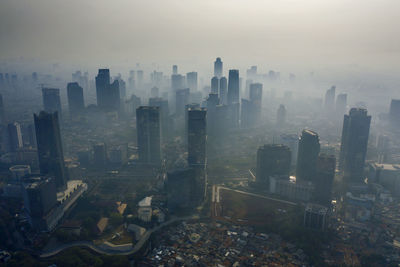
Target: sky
(297, 33)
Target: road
(107, 250)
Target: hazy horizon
(293, 34)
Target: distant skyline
(194, 32)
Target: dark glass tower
(49, 146)
(108, 94)
(354, 145)
(214, 85)
(197, 136)
(394, 113)
(326, 165)
(51, 100)
(272, 160)
(307, 156)
(233, 87)
(148, 134)
(76, 103)
(223, 91)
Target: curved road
(110, 251)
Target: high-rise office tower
(154, 92)
(139, 77)
(177, 82)
(233, 115)
(174, 69)
(281, 115)
(218, 68)
(197, 157)
(291, 141)
(51, 100)
(2, 111)
(272, 160)
(164, 115)
(197, 136)
(394, 112)
(102, 82)
(223, 91)
(76, 103)
(326, 165)
(49, 146)
(191, 79)
(252, 72)
(212, 103)
(108, 94)
(341, 104)
(148, 134)
(330, 99)
(14, 136)
(247, 113)
(214, 85)
(233, 87)
(353, 148)
(182, 99)
(307, 156)
(256, 100)
(40, 196)
(100, 158)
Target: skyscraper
(108, 94)
(191, 79)
(100, 157)
(394, 112)
(223, 91)
(197, 136)
(2, 111)
(164, 115)
(49, 146)
(182, 99)
(281, 115)
(14, 136)
(309, 148)
(330, 99)
(177, 82)
(218, 68)
(272, 160)
(174, 69)
(148, 134)
(256, 100)
(51, 100)
(212, 103)
(233, 87)
(76, 103)
(341, 104)
(354, 145)
(214, 85)
(197, 157)
(326, 165)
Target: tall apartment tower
(218, 68)
(272, 160)
(148, 134)
(307, 156)
(353, 148)
(76, 103)
(256, 100)
(51, 100)
(49, 146)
